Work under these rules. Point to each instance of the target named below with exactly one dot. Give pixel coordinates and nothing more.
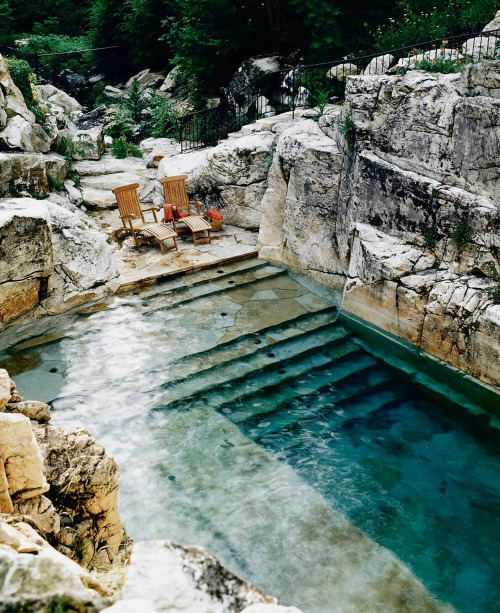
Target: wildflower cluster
(436, 60)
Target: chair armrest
(128, 218)
(153, 210)
(197, 204)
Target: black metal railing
(315, 85)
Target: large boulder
(493, 25)
(21, 458)
(145, 80)
(19, 133)
(57, 100)
(35, 577)
(482, 47)
(84, 489)
(87, 144)
(26, 259)
(55, 258)
(342, 71)
(171, 81)
(234, 179)
(164, 576)
(379, 64)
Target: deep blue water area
(417, 478)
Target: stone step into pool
(249, 417)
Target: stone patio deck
(145, 265)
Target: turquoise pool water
(229, 422)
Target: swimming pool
(248, 419)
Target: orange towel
(170, 211)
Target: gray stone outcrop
(395, 201)
(52, 258)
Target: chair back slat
(128, 200)
(174, 191)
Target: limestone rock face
(50, 256)
(165, 576)
(26, 259)
(402, 209)
(84, 488)
(21, 457)
(299, 220)
(23, 172)
(35, 577)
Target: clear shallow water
(346, 433)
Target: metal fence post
(293, 92)
(37, 67)
(180, 133)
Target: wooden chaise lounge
(132, 216)
(175, 194)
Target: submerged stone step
(187, 280)
(371, 400)
(183, 292)
(351, 362)
(267, 379)
(265, 340)
(253, 361)
(222, 480)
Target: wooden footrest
(196, 223)
(160, 231)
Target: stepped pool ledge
(247, 416)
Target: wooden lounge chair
(132, 216)
(174, 191)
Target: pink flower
(413, 61)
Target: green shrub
(412, 22)
(494, 291)
(52, 65)
(119, 122)
(24, 78)
(134, 102)
(54, 184)
(346, 124)
(121, 148)
(461, 232)
(163, 117)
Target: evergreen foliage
(210, 38)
